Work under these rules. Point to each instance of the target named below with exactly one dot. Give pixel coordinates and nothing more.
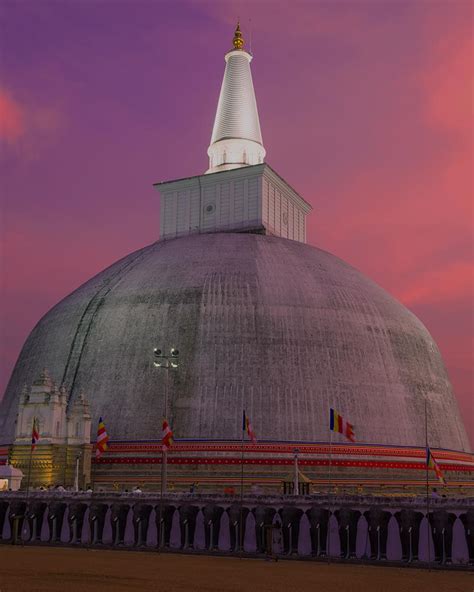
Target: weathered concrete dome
(282, 328)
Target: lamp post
(166, 362)
(296, 482)
(76, 472)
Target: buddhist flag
(167, 437)
(34, 434)
(247, 426)
(432, 464)
(338, 424)
(102, 439)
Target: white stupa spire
(236, 137)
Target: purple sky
(365, 108)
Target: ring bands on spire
(236, 139)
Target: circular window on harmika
(209, 208)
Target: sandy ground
(36, 569)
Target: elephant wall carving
(290, 517)
(441, 523)
(76, 521)
(237, 525)
(263, 519)
(409, 527)
(16, 518)
(56, 513)
(118, 519)
(165, 514)
(187, 524)
(141, 519)
(3, 513)
(212, 525)
(318, 520)
(377, 524)
(467, 519)
(97, 514)
(347, 520)
(35, 515)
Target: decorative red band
(275, 462)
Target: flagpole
(93, 466)
(29, 465)
(329, 490)
(160, 542)
(164, 460)
(427, 487)
(241, 530)
(166, 362)
(28, 480)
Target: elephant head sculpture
(377, 524)
(55, 520)
(3, 512)
(441, 523)
(187, 525)
(318, 520)
(35, 515)
(164, 523)
(118, 522)
(212, 525)
(97, 514)
(16, 517)
(347, 520)
(409, 526)
(467, 520)
(290, 518)
(141, 519)
(237, 522)
(263, 519)
(75, 520)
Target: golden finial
(238, 41)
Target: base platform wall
(217, 466)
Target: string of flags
(336, 424)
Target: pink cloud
(448, 82)
(445, 286)
(12, 124)
(27, 128)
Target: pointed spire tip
(238, 41)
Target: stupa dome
(281, 328)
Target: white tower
(63, 449)
(47, 405)
(236, 137)
(57, 421)
(242, 193)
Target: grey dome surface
(278, 327)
